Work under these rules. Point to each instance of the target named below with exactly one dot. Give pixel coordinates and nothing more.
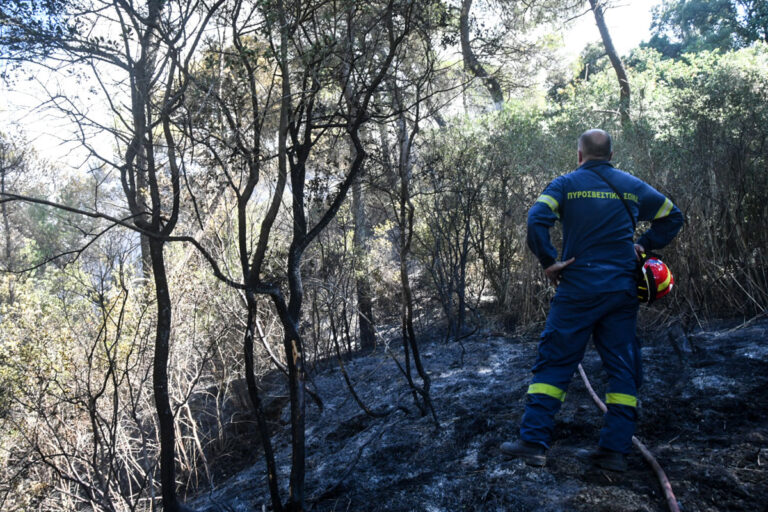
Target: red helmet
(656, 281)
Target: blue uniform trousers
(611, 318)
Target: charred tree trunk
(407, 330)
(406, 211)
(471, 61)
(297, 122)
(406, 306)
(362, 281)
(293, 345)
(618, 67)
(160, 379)
(253, 393)
(141, 200)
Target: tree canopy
(690, 26)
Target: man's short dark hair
(596, 144)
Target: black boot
(532, 454)
(604, 458)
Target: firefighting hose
(647, 455)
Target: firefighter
(596, 294)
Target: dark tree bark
(410, 343)
(471, 61)
(362, 280)
(140, 171)
(301, 128)
(618, 67)
(406, 211)
(160, 378)
(290, 314)
(153, 201)
(253, 393)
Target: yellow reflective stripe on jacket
(539, 388)
(549, 201)
(621, 399)
(664, 210)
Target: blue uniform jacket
(597, 230)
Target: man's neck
(593, 161)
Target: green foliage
(38, 329)
(692, 26)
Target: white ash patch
(758, 352)
(714, 382)
(501, 472)
(470, 459)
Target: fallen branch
(647, 455)
(350, 386)
(330, 491)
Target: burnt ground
(703, 413)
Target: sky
(628, 22)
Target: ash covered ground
(703, 413)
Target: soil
(702, 413)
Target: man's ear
(581, 157)
(611, 156)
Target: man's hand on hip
(639, 251)
(553, 271)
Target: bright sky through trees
(628, 20)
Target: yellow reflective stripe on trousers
(539, 388)
(664, 210)
(621, 399)
(549, 201)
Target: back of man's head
(595, 144)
